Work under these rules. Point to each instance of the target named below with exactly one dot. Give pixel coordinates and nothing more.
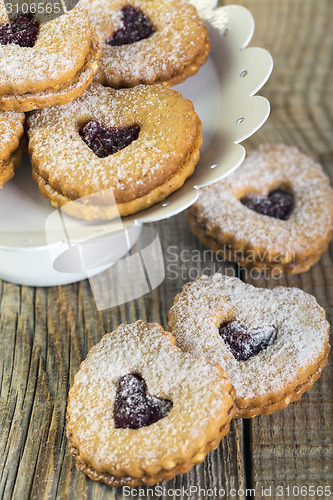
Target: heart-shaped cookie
(141, 411)
(273, 344)
(134, 407)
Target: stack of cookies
(11, 144)
(46, 64)
(124, 142)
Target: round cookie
(274, 212)
(136, 145)
(136, 400)
(273, 344)
(11, 145)
(56, 67)
(159, 41)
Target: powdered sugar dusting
(221, 213)
(11, 130)
(196, 388)
(60, 51)
(302, 330)
(159, 151)
(178, 39)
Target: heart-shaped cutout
(278, 204)
(244, 342)
(134, 407)
(105, 141)
(22, 31)
(136, 26)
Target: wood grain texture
(47, 332)
(293, 448)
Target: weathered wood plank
(46, 333)
(293, 448)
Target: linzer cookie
(43, 65)
(162, 41)
(11, 143)
(141, 411)
(274, 212)
(273, 344)
(133, 145)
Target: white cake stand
(34, 236)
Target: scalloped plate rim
(141, 218)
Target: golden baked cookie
(9, 166)
(141, 411)
(47, 64)
(273, 344)
(274, 212)
(138, 145)
(11, 145)
(144, 42)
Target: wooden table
(47, 332)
